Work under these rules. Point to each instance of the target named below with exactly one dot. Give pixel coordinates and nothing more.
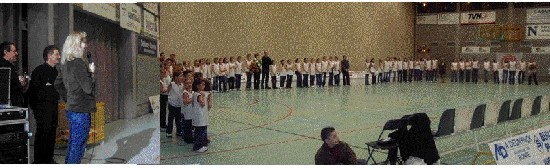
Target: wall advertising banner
(540, 50)
(147, 47)
(537, 31)
(508, 56)
(152, 7)
(130, 17)
(538, 15)
(150, 24)
(531, 148)
(426, 19)
(106, 10)
(448, 18)
(476, 50)
(478, 18)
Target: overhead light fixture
(424, 4)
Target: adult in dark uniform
(43, 102)
(9, 56)
(266, 62)
(345, 70)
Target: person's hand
(92, 67)
(24, 81)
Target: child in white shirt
(202, 103)
(187, 109)
(273, 71)
(336, 71)
(282, 74)
(305, 73)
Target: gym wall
(288, 30)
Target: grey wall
(126, 72)
(288, 30)
(8, 22)
(40, 28)
(464, 35)
(147, 81)
(10, 28)
(64, 22)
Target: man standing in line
(44, 99)
(266, 62)
(345, 70)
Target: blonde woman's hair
(72, 47)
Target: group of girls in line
(505, 71)
(226, 73)
(401, 70)
(189, 101)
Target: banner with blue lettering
(531, 148)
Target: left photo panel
(78, 83)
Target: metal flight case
(14, 135)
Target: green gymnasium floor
(283, 126)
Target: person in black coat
(345, 70)
(43, 101)
(417, 141)
(266, 62)
(17, 87)
(442, 71)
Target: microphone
(89, 56)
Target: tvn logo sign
(476, 16)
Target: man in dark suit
(345, 70)
(44, 99)
(17, 86)
(266, 61)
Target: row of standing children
(227, 75)
(505, 71)
(397, 70)
(308, 73)
(189, 101)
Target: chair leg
(370, 151)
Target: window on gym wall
(472, 6)
(435, 7)
(531, 4)
(24, 39)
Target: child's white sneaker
(202, 150)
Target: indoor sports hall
(262, 126)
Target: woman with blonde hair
(78, 79)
